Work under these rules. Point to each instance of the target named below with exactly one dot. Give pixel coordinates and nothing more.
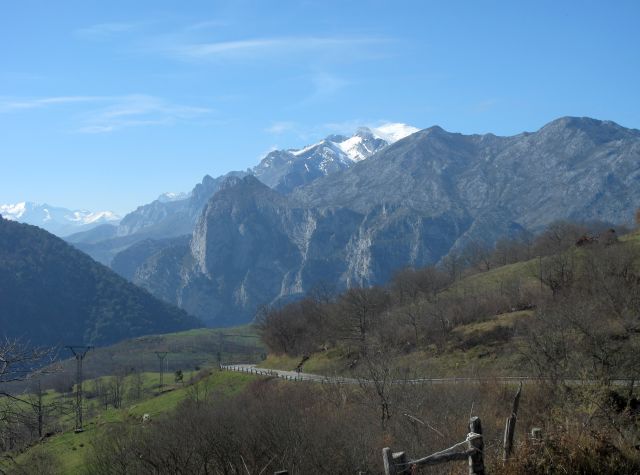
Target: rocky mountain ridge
(410, 204)
(175, 214)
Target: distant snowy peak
(57, 220)
(87, 217)
(173, 196)
(364, 143)
(13, 212)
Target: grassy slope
(186, 351)
(70, 448)
(482, 359)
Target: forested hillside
(52, 294)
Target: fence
(471, 449)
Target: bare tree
(117, 388)
(558, 271)
(360, 308)
(18, 359)
(19, 362)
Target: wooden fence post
(476, 459)
(392, 460)
(510, 426)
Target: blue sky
(106, 104)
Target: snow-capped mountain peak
(57, 220)
(87, 217)
(285, 170)
(361, 145)
(14, 211)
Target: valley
(319, 238)
(479, 356)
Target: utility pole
(161, 356)
(79, 352)
(540, 271)
(40, 409)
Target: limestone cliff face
(160, 221)
(410, 204)
(253, 246)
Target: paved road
(288, 375)
(294, 376)
(317, 378)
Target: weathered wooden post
(392, 460)
(476, 458)
(510, 426)
(471, 449)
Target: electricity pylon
(79, 352)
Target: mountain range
(57, 220)
(176, 214)
(274, 232)
(353, 210)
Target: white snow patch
(100, 216)
(392, 132)
(173, 196)
(88, 217)
(304, 150)
(352, 148)
(41, 214)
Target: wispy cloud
(103, 31)
(206, 25)
(324, 84)
(278, 128)
(312, 133)
(484, 106)
(103, 114)
(259, 46)
(10, 105)
(139, 110)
